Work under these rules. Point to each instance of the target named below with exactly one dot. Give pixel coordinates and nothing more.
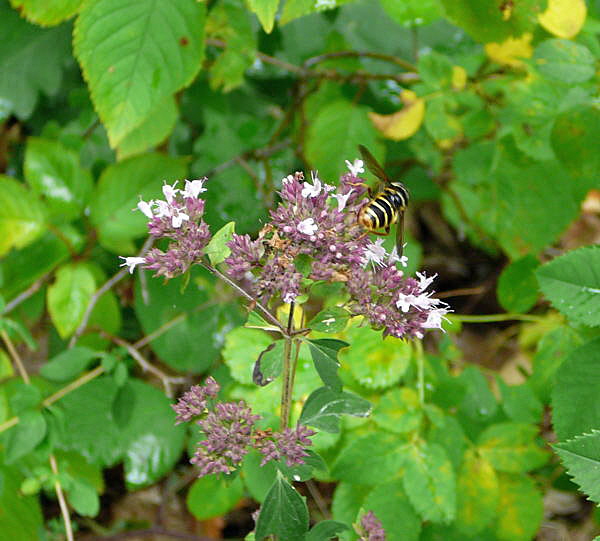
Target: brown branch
(23, 296)
(61, 499)
(407, 66)
(15, 356)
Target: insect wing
(372, 164)
(400, 233)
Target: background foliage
(487, 110)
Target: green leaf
(293, 9)
(391, 506)
(517, 285)
(374, 362)
(326, 530)
(69, 296)
(128, 82)
(581, 458)
(435, 70)
(564, 60)
(119, 189)
(20, 513)
(332, 320)
(411, 13)
(25, 436)
(68, 364)
(242, 347)
(25, 397)
(477, 491)
(32, 60)
(324, 407)
(487, 20)
(150, 441)
(333, 136)
(429, 482)
(213, 496)
(47, 12)
(22, 217)
(324, 354)
(511, 447)
(265, 11)
(347, 501)
(367, 459)
(520, 402)
(153, 130)
(258, 479)
(269, 364)
(520, 508)
(479, 405)
(83, 497)
(399, 411)
(207, 325)
(572, 284)
(53, 172)
(575, 404)
(572, 132)
(283, 513)
(217, 249)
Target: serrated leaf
(564, 60)
(324, 354)
(430, 483)
(338, 128)
(20, 513)
(53, 172)
(520, 508)
(47, 12)
(564, 18)
(68, 364)
(22, 216)
(153, 130)
(511, 447)
(213, 496)
(25, 436)
(404, 123)
(69, 296)
(217, 249)
(367, 459)
(31, 59)
(572, 284)
(517, 285)
(118, 191)
(283, 513)
(326, 530)
(581, 457)
(477, 490)
(129, 79)
(265, 11)
(374, 362)
(324, 407)
(399, 411)
(575, 404)
(389, 502)
(330, 320)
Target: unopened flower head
(370, 528)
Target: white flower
(404, 302)
(425, 282)
(163, 208)
(288, 179)
(375, 253)
(193, 188)
(328, 188)
(312, 190)
(307, 227)
(146, 208)
(342, 199)
(355, 168)
(395, 259)
(131, 262)
(423, 302)
(289, 297)
(434, 319)
(169, 192)
(178, 218)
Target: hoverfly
(388, 205)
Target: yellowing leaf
(404, 123)
(509, 51)
(459, 77)
(564, 18)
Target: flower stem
(491, 318)
(287, 383)
(420, 371)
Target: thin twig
(318, 498)
(14, 355)
(461, 292)
(21, 297)
(420, 371)
(288, 372)
(61, 499)
(365, 54)
(492, 318)
(101, 291)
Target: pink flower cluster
(370, 528)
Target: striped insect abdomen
(383, 210)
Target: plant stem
(490, 318)
(61, 499)
(287, 383)
(15, 356)
(420, 371)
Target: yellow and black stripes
(383, 210)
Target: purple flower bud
(193, 402)
(289, 444)
(370, 528)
